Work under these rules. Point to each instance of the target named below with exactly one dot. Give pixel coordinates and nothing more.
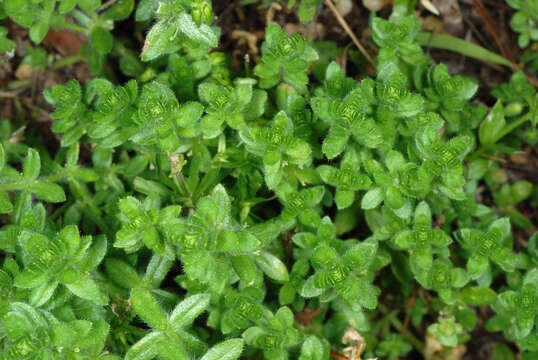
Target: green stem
(419, 345)
(381, 322)
(82, 18)
(68, 60)
(77, 28)
(58, 212)
(95, 215)
(507, 130)
(180, 183)
(207, 181)
(17, 84)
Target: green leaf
(451, 43)
(492, 125)
(29, 279)
(245, 268)
(344, 199)
(147, 308)
(119, 11)
(146, 9)
(307, 9)
(145, 348)
(478, 296)
(71, 238)
(521, 190)
(157, 269)
(38, 31)
(122, 273)
(157, 40)
(272, 266)
(312, 349)
(458, 277)
(502, 352)
(5, 203)
(285, 315)
(89, 5)
(188, 114)
(335, 142)
(372, 199)
(169, 350)
(202, 34)
(2, 157)
(63, 335)
(95, 254)
(309, 289)
(150, 187)
(101, 40)
(31, 165)
(186, 311)
(49, 192)
(227, 350)
(6, 45)
(88, 289)
(476, 266)
(43, 293)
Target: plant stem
(95, 215)
(512, 127)
(68, 60)
(507, 130)
(419, 345)
(347, 29)
(17, 84)
(180, 184)
(490, 25)
(60, 210)
(77, 28)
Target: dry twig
(492, 29)
(346, 27)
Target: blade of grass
(451, 43)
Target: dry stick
(8, 94)
(492, 29)
(12, 94)
(477, 33)
(346, 27)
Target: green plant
(36, 58)
(524, 21)
(196, 212)
(83, 16)
(6, 45)
(306, 9)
